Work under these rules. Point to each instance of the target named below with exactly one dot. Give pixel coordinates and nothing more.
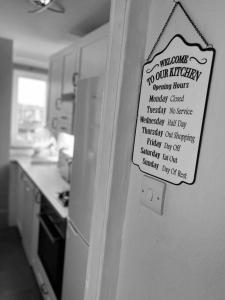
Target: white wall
(5, 111)
(180, 255)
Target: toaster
(65, 164)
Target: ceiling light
(45, 2)
(43, 5)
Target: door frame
(127, 41)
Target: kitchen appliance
(51, 244)
(64, 197)
(65, 164)
(87, 128)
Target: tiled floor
(17, 280)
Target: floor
(17, 281)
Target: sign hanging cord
(177, 3)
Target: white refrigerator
(87, 122)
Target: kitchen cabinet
(36, 198)
(20, 198)
(16, 200)
(55, 91)
(42, 280)
(69, 70)
(27, 203)
(76, 257)
(87, 128)
(65, 116)
(27, 217)
(86, 155)
(63, 68)
(87, 124)
(93, 54)
(13, 170)
(31, 183)
(85, 59)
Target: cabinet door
(86, 129)
(74, 277)
(55, 91)
(69, 69)
(65, 120)
(35, 224)
(13, 193)
(61, 91)
(28, 218)
(93, 58)
(44, 287)
(20, 199)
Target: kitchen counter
(47, 179)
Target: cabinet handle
(74, 79)
(37, 198)
(44, 289)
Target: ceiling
(37, 36)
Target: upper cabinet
(70, 69)
(55, 89)
(62, 74)
(85, 59)
(93, 53)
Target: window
(29, 107)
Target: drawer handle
(44, 289)
(37, 198)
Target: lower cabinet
(43, 281)
(28, 207)
(76, 256)
(35, 224)
(27, 201)
(19, 199)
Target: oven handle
(56, 225)
(51, 237)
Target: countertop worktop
(47, 179)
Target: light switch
(153, 193)
(149, 195)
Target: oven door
(51, 252)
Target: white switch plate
(153, 193)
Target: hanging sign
(173, 94)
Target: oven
(51, 244)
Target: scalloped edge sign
(172, 105)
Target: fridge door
(86, 128)
(75, 265)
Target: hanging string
(162, 31)
(194, 25)
(177, 3)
